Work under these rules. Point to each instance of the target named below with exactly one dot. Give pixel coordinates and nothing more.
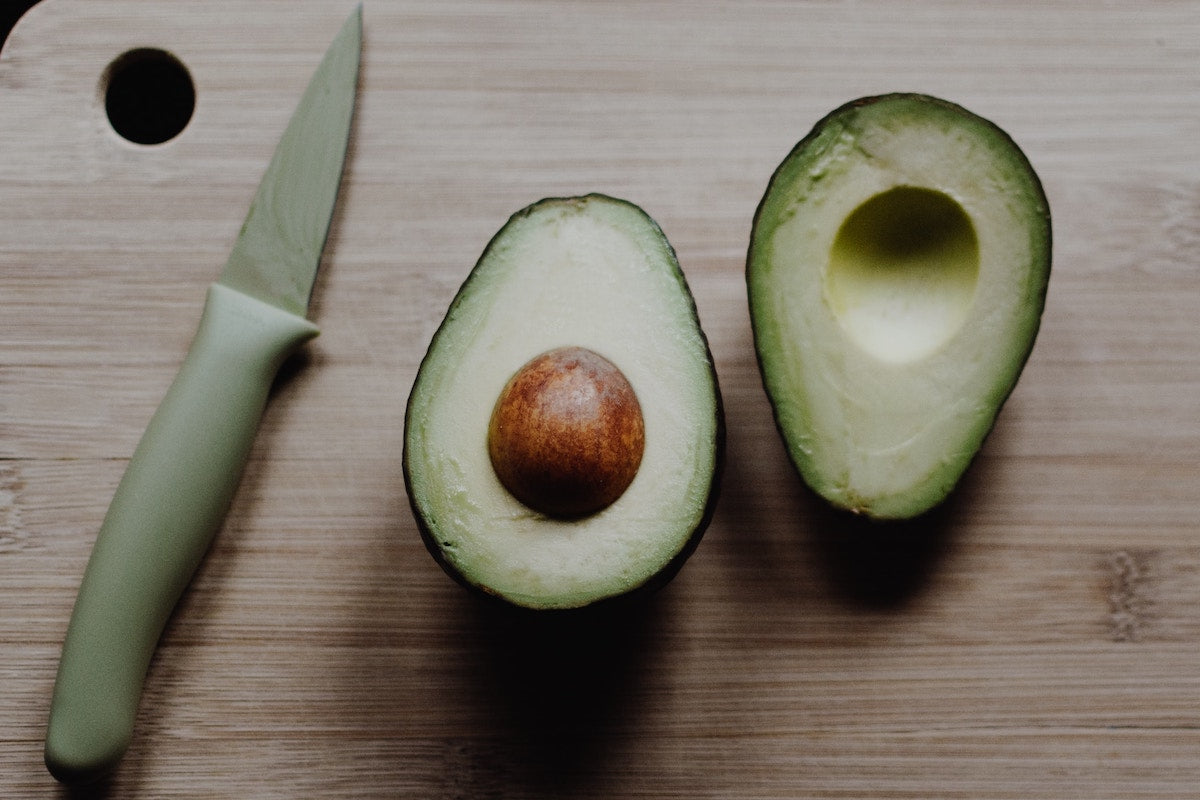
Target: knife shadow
(100, 790)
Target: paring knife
(183, 474)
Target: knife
(183, 474)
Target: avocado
(564, 435)
(896, 275)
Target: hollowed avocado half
(564, 435)
(897, 273)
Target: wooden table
(1039, 638)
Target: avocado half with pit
(897, 273)
(564, 435)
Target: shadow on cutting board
(884, 565)
(881, 565)
(564, 688)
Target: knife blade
(182, 476)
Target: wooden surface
(1040, 638)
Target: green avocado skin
(793, 413)
(427, 528)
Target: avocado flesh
(897, 273)
(591, 272)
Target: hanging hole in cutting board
(148, 96)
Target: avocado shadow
(885, 565)
(877, 565)
(563, 686)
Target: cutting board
(1039, 637)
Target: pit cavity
(902, 272)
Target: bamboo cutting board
(1038, 638)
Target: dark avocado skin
(672, 567)
(817, 129)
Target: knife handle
(166, 509)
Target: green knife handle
(167, 507)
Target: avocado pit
(566, 435)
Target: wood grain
(1038, 638)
